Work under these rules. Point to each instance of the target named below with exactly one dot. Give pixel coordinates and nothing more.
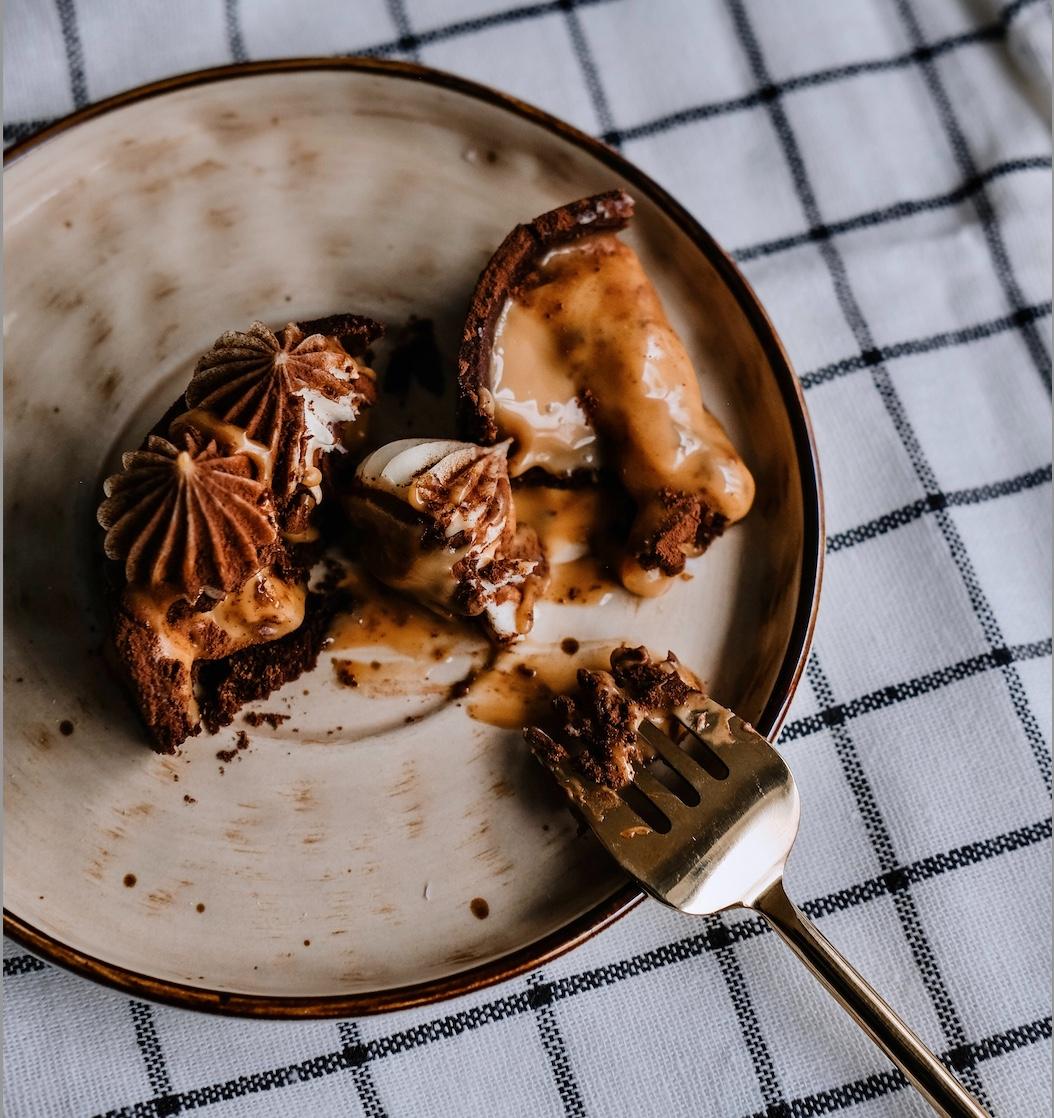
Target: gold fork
(716, 836)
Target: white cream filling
(399, 469)
(321, 418)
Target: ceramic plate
(348, 861)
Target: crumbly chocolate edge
(610, 211)
(154, 681)
(593, 731)
(692, 523)
(255, 672)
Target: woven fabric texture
(882, 171)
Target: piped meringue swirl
(438, 523)
(187, 514)
(290, 391)
(464, 488)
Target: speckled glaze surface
(325, 871)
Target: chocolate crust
(687, 526)
(514, 258)
(163, 688)
(355, 332)
(254, 672)
(593, 730)
(158, 685)
(161, 685)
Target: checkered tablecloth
(881, 168)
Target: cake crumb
(241, 742)
(268, 718)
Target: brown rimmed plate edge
(629, 896)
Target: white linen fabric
(881, 169)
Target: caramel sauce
(585, 582)
(566, 520)
(381, 679)
(592, 324)
(520, 687)
(400, 643)
(228, 436)
(576, 527)
(382, 618)
(585, 361)
(263, 609)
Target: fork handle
(922, 1068)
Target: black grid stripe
(71, 40)
(524, 13)
(590, 73)
(903, 902)
(540, 999)
(722, 943)
(912, 689)
(1012, 11)
(914, 510)
(232, 21)
(988, 33)
(20, 129)
(359, 1063)
(22, 964)
(872, 356)
(408, 42)
(886, 1083)
(883, 383)
(149, 1043)
(896, 212)
(895, 693)
(881, 840)
(982, 202)
(690, 947)
(454, 1024)
(925, 869)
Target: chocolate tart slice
(567, 351)
(212, 524)
(591, 739)
(435, 520)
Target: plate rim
(626, 898)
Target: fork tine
(669, 804)
(709, 759)
(615, 822)
(673, 755)
(617, 828)
(612, 825)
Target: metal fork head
(730, 828)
